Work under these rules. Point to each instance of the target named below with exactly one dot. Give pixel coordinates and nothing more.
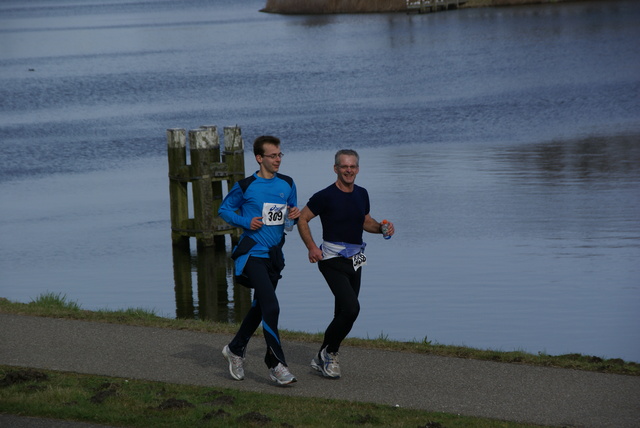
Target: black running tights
(344, 283)
(264, 308)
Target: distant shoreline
(500, 3)
(319, 7)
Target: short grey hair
(346, 152)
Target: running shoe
(236, 363)
(282, 375)
(327, 363)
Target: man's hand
(256, 223)
(294, 213)
(315, 255)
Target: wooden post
(206, 174)
(234, 159)
(234, 153)
(218, 173)
(179, 200)
(201, 149)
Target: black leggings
(344, 282)
(264, 308)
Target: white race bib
(359, 260)
(273, 214)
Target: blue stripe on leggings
(268, 329)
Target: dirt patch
(223, 400)
(174, 403)
(218, 414)
(365, 419)
(103, 395)
(106, 390)
(254, 418)
(432, 425)
(22, 376)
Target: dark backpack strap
(245, 182)
(286, 178)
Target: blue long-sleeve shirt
(255, 196)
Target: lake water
(503, 143)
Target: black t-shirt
(342, 214)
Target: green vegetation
(139, 403)
(56, 305)
(136, 403)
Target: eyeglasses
(274, 156)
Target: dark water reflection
(591, 161)
(218, 297)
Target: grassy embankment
(136, 403)
(58, 306)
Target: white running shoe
(236, 363)
(327, 363)
(282, 375)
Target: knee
(272, 311)
(351, 313)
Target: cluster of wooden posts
(217, 298)
(209, 168)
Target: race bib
(273, 214)
(359, 260)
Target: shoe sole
(294, 380)
(319, 369)
(229, 360)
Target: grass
(138, 403)
(59, 306)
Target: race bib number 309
(273, 214)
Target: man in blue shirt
(259, 204)
(343, 208)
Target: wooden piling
(219, 173)
(178, 197)
(233, 157)
(206, 174)
(201, 151)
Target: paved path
(547, 396)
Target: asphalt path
(540, 395)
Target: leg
(249, 325)
(250, 322)
(344, 283)
(236, 350)
(264, 281)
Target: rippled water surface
(503, 143)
